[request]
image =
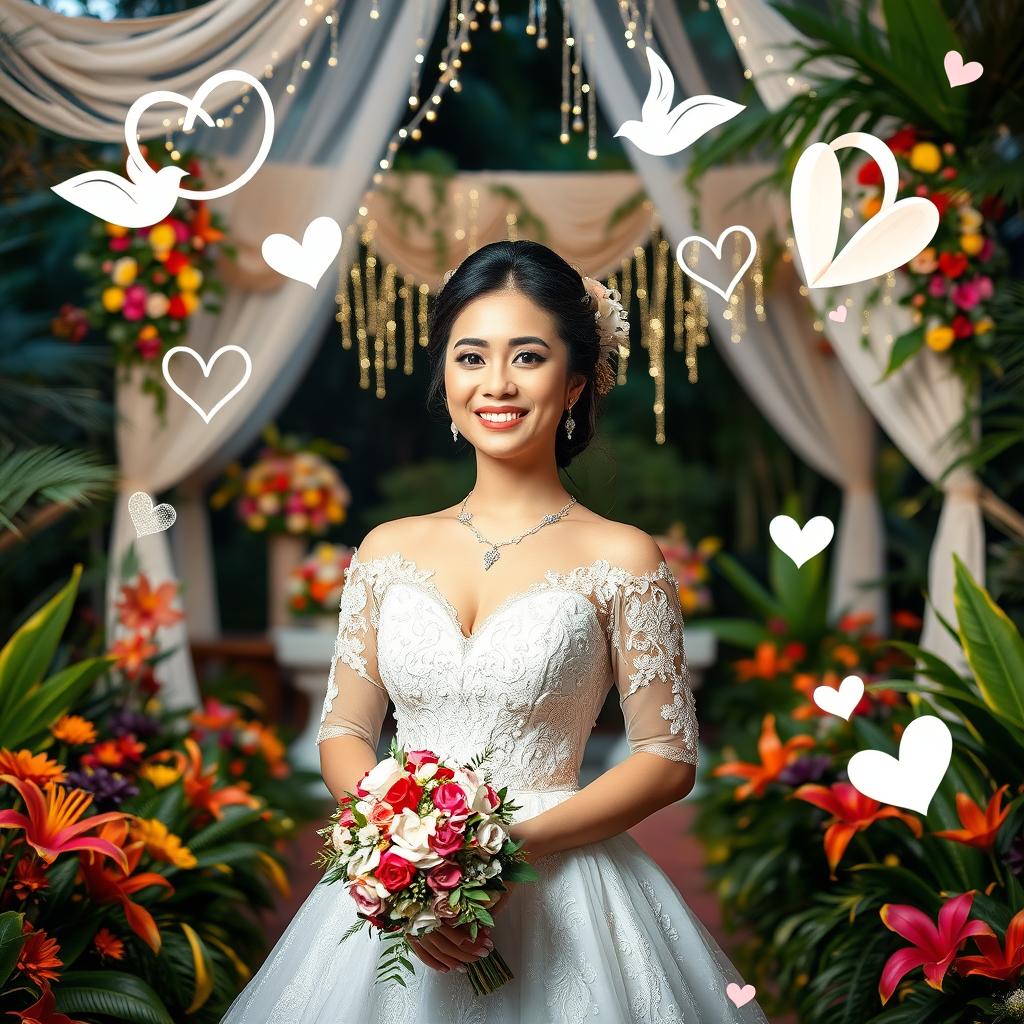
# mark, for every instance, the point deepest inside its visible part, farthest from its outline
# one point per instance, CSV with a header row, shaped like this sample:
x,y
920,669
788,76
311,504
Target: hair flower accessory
x,y
612,329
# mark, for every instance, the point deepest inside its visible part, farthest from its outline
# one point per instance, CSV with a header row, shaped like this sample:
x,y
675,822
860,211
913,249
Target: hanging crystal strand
x,y
649,23
695,316
408,332
370,276
657,339
512,223
627,286
735,312
865,324
563,134
361,338
578,124
422,318
759,288
677,307
613,284
642,294
542,25
332,60
531,18
388,315
474,220
344,314
495,13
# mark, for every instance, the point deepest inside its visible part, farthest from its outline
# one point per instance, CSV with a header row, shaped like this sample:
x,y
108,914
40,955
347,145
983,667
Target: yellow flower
x,y
311,498
972,244
116,230
125,271
984,325
190,279
939,338
256,522
162,237
925,157
112,299
709,546
161,844
870,206
160,775
970,218
191,301
325,552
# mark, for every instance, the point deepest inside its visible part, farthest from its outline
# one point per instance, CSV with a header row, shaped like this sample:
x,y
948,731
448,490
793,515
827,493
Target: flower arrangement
x,y
291,488
887,913
690,564
146,283
115,829
952,279
315,584
421,844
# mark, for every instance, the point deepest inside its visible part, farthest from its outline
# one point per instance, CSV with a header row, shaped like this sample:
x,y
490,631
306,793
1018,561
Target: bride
x,y
504,621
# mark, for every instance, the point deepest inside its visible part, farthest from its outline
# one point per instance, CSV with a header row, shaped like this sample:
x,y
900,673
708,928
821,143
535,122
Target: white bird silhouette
x,y
663,131
146,199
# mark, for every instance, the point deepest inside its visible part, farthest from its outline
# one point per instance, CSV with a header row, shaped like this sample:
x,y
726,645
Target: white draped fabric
x,y
802,392
920,404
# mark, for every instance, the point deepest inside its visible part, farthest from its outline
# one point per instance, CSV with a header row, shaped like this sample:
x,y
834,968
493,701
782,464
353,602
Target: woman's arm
x,y
613,803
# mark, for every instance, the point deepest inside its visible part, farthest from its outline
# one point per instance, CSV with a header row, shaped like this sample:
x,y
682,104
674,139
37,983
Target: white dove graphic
x,y
663,131
146,199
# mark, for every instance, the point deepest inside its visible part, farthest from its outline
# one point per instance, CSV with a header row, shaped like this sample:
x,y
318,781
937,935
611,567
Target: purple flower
x,y
109,789
124,721
804,770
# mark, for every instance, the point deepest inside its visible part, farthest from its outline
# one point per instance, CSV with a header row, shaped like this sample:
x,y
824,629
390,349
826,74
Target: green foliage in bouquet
x,y
838,921
130,837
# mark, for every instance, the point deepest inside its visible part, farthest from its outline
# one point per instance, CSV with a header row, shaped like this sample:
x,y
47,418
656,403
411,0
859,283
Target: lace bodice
x,y
530,681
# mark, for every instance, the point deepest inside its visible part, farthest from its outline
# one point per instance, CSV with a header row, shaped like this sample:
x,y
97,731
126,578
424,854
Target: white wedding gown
x,y
603,935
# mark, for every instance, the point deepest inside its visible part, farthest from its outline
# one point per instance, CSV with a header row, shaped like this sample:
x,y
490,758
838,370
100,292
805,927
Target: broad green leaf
x,y
11,941
905,346
747,585
110,994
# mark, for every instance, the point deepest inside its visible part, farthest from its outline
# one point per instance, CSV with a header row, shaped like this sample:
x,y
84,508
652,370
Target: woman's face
x,y
503,351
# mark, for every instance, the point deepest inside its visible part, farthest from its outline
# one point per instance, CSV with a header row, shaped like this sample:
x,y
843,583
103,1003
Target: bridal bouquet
x,y
421,844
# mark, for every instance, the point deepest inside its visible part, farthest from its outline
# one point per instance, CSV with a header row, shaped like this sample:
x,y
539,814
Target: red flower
x,y
177,308
994,962
44,1010
903,619
952,264
143,608
852,812
979,828
962,326
405,792
933,947
175,261
394,872
903,141
869,174
941,201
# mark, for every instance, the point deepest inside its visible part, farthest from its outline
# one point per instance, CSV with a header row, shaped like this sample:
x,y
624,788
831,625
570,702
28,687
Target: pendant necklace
x,y
491,555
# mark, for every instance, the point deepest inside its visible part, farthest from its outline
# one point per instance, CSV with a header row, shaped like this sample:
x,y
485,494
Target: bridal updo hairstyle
x,y
550,282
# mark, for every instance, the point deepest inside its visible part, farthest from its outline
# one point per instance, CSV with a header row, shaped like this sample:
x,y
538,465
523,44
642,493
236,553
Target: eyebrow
x,y
481,343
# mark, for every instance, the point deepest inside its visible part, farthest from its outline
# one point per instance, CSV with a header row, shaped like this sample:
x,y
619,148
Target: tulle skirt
x,y
603,934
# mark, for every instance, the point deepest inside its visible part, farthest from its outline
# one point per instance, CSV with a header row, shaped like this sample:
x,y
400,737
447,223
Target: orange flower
x,y
846,655
202,227
852,812
980,828
74,730
853,621
143,609
108,944
774,755
1001,964
131,652
115,753
766,663
906,620
37,768
38,956
52,826
29,878
44,1010
105,885
199,789
214,715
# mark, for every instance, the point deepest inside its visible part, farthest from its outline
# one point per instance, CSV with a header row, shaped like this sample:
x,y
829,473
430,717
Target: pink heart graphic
x,y
958,72
740,996
838,314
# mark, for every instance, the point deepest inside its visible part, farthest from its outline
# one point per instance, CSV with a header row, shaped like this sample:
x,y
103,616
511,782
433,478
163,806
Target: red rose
x,y
444,774
394,872
446,840
903,141
175,261
869,174
941,201
962,327
952,264
405,792
176,310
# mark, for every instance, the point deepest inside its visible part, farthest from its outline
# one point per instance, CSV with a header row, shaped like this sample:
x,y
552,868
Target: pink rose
x,y
984,286
119,244
416,758
367,900
937,286
446,840
133,311
444,877
965,295
381,815
449,796
442,909
394,872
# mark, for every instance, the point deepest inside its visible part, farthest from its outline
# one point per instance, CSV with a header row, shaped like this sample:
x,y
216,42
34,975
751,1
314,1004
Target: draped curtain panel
x,y
920,404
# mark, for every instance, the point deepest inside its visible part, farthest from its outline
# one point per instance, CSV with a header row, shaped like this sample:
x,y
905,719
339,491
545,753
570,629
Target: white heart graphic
x,y
148,518
840,702
801,544
958,72
306,261
206,368
910,781
838,314
894,236
717,250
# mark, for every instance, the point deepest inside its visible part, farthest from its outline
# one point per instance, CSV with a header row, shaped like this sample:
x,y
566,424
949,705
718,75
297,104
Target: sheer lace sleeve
x,y
356,701
649,664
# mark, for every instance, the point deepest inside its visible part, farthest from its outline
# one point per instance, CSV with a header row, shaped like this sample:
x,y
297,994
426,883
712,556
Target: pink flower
x,y
449,796
133,311
420,757
442,908
937,286
984,286
181,231
966,295
149,348
119,244
446,839
445,877
367,900
987,248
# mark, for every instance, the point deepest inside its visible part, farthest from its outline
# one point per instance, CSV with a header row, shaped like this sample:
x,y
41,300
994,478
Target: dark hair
x,y
543,276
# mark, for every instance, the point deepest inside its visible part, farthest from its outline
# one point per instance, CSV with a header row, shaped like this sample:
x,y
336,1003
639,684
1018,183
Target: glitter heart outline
x,y
206,368
193,108
149,512
717,250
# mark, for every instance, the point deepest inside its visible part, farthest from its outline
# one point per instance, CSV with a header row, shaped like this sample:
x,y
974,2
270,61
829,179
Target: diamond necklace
x,y
491,555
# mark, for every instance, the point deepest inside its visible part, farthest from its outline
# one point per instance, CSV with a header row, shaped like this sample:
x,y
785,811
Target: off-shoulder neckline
x,y
552,578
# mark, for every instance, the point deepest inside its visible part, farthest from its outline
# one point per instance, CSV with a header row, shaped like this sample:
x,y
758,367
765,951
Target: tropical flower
x,y
73,730
52,825
144,609
199,784
933,946
37,768
131,652
108,944
767,663
775,756
43,1010
980,828
995,961
162,844
38,956
852,812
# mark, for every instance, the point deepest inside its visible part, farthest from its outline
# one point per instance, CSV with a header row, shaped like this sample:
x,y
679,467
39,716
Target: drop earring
x,y
455,432
570,423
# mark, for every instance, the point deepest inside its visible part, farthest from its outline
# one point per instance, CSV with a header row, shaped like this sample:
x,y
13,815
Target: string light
x,y
734,26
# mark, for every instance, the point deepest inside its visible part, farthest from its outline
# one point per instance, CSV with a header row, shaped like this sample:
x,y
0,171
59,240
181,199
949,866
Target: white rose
x,y
341,837
426,771
471,784
490,837
367,834
425,921
383,776
410,838
363,862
